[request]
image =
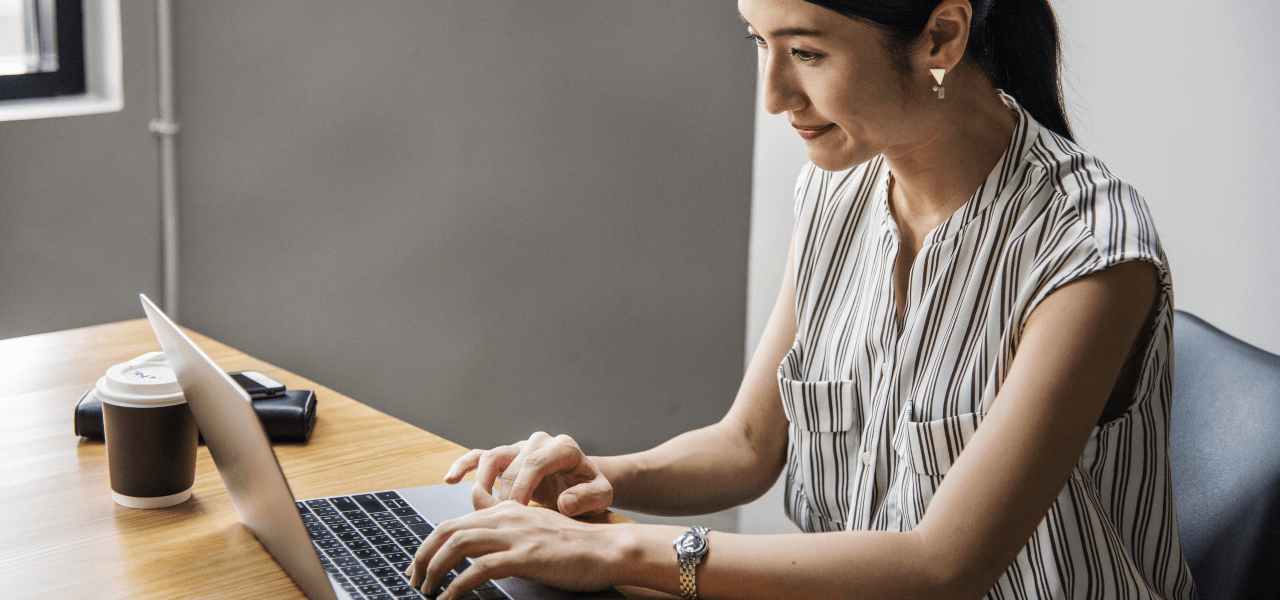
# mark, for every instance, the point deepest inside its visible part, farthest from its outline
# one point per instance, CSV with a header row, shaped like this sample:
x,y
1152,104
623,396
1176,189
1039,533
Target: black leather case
x,y
289,417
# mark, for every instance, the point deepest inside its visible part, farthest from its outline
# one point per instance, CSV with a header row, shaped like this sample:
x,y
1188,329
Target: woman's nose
x,y
782,92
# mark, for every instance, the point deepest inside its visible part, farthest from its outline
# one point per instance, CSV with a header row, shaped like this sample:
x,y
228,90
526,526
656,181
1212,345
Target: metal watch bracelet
x,y
690,548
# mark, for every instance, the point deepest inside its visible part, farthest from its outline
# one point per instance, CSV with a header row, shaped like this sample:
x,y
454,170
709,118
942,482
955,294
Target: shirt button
x,y
866,458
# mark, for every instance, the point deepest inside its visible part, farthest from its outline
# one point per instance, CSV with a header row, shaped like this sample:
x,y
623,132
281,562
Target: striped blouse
x,y
877,414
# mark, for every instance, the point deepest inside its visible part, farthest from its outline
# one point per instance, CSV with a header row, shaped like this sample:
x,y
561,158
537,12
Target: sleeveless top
x,y
878,414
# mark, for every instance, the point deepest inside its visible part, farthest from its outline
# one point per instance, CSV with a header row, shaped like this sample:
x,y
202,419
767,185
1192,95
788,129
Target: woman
x,y
967,373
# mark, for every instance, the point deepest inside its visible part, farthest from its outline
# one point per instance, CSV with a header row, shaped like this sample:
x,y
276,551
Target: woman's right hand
x,y
551,471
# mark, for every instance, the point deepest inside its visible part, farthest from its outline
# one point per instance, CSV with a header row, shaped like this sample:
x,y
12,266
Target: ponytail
x,y
1016,44
1013,42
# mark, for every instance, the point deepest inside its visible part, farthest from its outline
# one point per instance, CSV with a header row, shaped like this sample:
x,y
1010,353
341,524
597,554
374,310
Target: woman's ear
x,y
946,35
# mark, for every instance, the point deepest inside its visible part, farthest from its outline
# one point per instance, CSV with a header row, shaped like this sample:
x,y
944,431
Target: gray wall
x,y
483,217
1179,98
486,218
79,227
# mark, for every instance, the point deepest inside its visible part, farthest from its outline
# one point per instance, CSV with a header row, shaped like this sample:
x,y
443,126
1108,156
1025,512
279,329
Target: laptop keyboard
x,y
367,541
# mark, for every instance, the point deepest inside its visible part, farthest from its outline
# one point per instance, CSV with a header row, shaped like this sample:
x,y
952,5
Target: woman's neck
x,y
936,172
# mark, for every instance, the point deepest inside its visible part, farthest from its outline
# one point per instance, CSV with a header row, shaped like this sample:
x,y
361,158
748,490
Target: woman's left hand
x,y
508,539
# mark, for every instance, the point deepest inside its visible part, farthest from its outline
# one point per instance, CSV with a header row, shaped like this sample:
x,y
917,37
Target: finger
x,y
440,536
492,462
538,465
586,499
481,498
470,542
534,443
462,466
495,565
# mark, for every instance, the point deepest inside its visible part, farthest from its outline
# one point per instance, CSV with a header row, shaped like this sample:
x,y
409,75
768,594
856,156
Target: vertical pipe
x,y
166,128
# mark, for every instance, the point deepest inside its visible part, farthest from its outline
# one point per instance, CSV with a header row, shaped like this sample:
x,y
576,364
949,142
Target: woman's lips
x,y
810,132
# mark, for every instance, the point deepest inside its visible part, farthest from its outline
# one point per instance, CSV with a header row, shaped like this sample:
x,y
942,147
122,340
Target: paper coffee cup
x,y
150,433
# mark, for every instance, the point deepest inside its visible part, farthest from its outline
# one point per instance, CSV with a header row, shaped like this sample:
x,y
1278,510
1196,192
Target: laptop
x,y
353,547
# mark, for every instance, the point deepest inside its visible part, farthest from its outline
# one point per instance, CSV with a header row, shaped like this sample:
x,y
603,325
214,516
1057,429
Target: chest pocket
x,y
931,447
826,420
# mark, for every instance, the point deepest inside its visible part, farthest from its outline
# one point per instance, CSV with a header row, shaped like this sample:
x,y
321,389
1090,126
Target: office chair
x,y
1225,439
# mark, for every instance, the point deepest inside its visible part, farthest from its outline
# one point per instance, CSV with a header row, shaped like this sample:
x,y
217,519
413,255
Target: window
x,y
59,58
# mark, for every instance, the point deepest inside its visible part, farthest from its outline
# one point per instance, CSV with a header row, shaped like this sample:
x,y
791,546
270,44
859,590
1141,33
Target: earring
x,y
938,74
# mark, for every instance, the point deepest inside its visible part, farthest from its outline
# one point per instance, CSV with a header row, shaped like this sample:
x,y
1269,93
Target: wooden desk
x,y
61,536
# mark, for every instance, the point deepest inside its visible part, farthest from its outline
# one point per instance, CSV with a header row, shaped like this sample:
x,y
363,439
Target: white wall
x,y
1177,97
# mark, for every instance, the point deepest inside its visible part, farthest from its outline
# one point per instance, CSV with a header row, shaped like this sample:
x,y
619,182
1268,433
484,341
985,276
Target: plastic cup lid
x,y
146,380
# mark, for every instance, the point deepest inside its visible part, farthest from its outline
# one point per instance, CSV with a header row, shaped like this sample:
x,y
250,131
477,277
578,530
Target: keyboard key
x,y
317,502
411,520
422,529
332,520
326,544
364,554
398,557
302,508
374,562
359,545
401,566
382,515
401,590
346,561
368,532
409,544
368,502
343,503
349,587
364,522
354,573
341,528
396,532
461,566
354,514
332,569
379,597
339,551
372,589
387,495
404,512
339,577
387,548
349,536
363,580
393,580
381,572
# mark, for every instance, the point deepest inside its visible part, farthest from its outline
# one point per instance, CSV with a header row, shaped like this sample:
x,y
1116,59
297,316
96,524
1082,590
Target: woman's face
x,y
834,79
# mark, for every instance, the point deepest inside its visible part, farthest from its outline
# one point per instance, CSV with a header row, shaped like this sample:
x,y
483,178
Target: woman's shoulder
x,y
1110,210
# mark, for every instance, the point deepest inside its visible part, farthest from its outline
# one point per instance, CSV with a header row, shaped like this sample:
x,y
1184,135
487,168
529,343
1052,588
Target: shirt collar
x,y
1026,131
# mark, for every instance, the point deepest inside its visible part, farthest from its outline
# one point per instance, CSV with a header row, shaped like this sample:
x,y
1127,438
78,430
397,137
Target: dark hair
x,y
1013,42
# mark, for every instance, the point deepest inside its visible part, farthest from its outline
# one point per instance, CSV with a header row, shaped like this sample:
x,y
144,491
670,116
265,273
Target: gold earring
x,y
938,74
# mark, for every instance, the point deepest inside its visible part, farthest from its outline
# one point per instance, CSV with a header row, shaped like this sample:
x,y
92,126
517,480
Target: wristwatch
x,y
690,548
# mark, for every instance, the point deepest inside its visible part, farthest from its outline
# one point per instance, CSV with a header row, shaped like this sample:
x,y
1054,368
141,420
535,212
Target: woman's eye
x,y
755,39
804,56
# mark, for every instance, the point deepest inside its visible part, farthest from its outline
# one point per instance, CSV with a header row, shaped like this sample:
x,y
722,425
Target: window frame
x,y
89,79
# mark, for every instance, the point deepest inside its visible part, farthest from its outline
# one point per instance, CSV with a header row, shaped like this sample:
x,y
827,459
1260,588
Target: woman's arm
x,y
981,516
709,469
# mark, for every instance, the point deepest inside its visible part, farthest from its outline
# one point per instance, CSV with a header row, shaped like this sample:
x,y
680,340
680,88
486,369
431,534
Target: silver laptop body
x,y
261,495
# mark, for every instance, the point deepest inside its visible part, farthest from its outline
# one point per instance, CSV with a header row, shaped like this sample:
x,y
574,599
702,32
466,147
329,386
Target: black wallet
x,y
288,417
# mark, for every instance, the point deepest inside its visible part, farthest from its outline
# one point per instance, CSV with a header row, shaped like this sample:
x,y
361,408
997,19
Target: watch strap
x,y
689,568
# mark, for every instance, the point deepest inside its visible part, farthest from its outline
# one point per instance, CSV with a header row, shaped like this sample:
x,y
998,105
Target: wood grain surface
x,y
61,536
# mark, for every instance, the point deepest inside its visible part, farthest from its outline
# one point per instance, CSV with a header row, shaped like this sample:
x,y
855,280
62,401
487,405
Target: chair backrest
x,y
1225,444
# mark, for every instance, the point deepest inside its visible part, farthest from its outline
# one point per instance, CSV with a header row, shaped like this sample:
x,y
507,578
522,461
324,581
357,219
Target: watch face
x,y
692,544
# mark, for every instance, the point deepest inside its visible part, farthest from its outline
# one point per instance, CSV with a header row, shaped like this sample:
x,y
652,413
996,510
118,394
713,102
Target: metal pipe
x,y
166,128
